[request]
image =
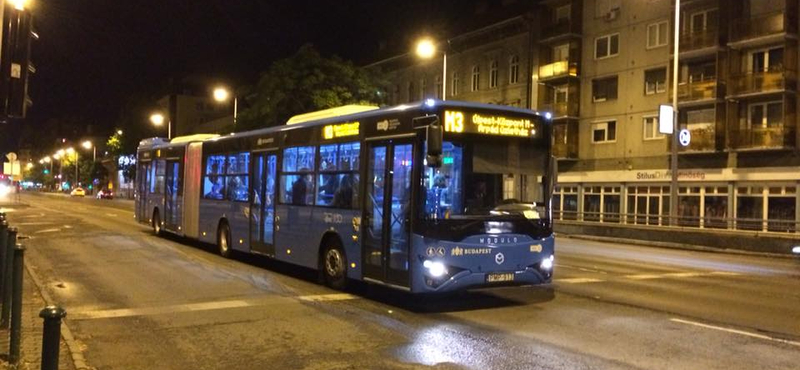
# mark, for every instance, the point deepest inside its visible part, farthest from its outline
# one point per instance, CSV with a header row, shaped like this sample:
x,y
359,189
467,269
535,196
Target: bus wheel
x,y
224,240
156,223
334,266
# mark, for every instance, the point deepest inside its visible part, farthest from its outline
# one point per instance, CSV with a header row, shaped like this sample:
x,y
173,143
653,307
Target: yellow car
x,y
78,192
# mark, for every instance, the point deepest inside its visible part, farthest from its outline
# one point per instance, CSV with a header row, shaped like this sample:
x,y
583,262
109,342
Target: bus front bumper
x,y
466,279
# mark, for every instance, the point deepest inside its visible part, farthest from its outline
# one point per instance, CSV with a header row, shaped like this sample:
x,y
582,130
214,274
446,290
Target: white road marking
x,y
327,297
679,275
46,231
31,223
111,214
643,276
578,280
581,269
203,306
735,331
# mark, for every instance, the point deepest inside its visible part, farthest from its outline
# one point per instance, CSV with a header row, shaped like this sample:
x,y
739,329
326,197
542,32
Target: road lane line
x,y
47,231
31,223
581,268
204,306
112,214
644,276
578,280
735,331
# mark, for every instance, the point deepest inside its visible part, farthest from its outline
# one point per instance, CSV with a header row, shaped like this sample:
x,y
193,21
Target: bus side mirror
x,y
434,139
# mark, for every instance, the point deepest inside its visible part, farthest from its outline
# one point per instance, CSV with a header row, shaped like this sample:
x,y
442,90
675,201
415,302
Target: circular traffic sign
x,y
684,137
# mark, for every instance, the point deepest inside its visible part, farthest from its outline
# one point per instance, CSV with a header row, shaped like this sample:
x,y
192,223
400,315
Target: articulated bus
x,y
427,197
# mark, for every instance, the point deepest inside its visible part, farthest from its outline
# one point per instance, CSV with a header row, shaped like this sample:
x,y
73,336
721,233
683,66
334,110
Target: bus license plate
x,y
500,277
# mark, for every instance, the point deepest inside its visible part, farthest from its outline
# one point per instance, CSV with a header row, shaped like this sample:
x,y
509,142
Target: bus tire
x,y
333,264
156,222
224,239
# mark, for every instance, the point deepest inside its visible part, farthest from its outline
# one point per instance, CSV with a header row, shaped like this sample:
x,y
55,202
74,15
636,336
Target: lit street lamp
x,y
72,150
221,95
426,49
157,119
88,145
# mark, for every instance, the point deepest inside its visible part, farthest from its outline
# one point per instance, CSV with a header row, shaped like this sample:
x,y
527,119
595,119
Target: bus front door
x,y
388,211
262,204
143,175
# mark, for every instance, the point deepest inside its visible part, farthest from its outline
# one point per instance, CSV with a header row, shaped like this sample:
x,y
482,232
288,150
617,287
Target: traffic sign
x,y
685,137
665,117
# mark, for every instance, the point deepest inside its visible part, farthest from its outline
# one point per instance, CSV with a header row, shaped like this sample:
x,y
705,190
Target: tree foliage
x,y
307,82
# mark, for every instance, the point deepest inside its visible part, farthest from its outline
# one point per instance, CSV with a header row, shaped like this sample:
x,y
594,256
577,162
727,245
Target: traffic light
x,y
46,171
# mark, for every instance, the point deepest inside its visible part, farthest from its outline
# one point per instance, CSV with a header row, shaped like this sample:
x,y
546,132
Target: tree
x,y
307,82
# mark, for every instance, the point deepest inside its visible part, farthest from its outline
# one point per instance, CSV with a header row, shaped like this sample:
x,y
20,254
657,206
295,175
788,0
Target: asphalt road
x,y
136,301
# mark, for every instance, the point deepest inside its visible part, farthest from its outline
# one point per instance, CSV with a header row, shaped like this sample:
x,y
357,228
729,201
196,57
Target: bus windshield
x,y
485,177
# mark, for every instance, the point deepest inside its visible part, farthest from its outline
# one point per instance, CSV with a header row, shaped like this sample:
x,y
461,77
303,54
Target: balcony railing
x,y
560,29
564,109
763,137
565,140
558,69
763,25
756,82
703,140
697,90
699,40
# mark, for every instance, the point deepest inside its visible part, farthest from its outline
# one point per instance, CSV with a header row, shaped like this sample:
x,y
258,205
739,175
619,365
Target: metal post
x,y
8,268
235,110
51,336
444,76
3,241
16,310
673,194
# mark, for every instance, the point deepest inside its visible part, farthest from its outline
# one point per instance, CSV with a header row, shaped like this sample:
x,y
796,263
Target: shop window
x,y
611,204
567,199
716,207
749,208
781,208
648,205
591,203
689,206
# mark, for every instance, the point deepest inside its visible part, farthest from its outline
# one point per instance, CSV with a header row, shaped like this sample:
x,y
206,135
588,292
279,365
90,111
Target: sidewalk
x,y
31,348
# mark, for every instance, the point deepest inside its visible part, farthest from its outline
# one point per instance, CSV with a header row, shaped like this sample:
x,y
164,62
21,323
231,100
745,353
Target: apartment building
x,y
603,67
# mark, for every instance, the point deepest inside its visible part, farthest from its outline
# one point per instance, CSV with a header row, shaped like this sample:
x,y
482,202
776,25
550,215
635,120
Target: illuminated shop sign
x,y
455,121
340,130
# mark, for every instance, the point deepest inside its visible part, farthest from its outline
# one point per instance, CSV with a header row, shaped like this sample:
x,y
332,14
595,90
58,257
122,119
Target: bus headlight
x,y
547,263
435,269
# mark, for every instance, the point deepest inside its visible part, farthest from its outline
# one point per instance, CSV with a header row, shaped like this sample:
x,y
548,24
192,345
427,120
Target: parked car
x,y
78,192
105,194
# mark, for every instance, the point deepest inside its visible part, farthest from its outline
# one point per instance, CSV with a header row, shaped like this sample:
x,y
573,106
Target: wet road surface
x,y
136,301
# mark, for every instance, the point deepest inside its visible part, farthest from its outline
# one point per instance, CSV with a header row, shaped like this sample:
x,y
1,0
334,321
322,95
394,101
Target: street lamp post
x,y
221,94
426,49
673,195
71,150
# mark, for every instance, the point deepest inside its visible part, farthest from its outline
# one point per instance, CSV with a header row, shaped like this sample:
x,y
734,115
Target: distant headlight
x,y
3,190
547,263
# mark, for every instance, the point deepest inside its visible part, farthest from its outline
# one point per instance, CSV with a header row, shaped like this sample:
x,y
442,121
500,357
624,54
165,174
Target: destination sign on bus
x,y
456,121
340,130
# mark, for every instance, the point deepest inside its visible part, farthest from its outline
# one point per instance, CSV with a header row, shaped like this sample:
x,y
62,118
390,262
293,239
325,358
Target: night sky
x,y
94,54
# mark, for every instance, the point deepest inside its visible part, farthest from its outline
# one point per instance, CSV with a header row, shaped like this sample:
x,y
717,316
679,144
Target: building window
x,y
439,90
606,46
604,132
651,128
766,115
563,14
476,78
513,70
655,81
648,205
604,89
454,89
560,53
766,60
657,34
716,207
565,203
423,85
702,21
493,74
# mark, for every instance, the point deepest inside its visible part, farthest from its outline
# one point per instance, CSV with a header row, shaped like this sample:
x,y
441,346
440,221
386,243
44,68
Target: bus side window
x,y
214,178
297,178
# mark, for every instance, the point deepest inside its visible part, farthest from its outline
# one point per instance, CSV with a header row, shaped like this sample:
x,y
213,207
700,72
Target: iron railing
x,y
659,220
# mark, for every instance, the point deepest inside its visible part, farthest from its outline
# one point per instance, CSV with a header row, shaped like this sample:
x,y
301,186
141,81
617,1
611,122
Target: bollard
x,y
16,303
8,269
3,240
51,337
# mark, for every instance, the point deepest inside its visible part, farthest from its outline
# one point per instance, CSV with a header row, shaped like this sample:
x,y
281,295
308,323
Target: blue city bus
x,y
427,197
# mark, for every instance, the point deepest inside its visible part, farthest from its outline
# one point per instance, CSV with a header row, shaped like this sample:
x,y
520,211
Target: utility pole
x,y
673,194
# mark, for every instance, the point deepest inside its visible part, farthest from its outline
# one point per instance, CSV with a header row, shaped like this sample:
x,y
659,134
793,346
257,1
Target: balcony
x,y
763,82
699,40
558,69
763,137
697,90
565,140
562,28
770,24
563,109
703,140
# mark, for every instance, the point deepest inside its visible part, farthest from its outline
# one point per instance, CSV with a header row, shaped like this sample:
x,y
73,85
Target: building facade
x,y
603,67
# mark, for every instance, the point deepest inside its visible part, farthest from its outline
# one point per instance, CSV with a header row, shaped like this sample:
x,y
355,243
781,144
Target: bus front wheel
x,y
334,265
224,240
156,223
